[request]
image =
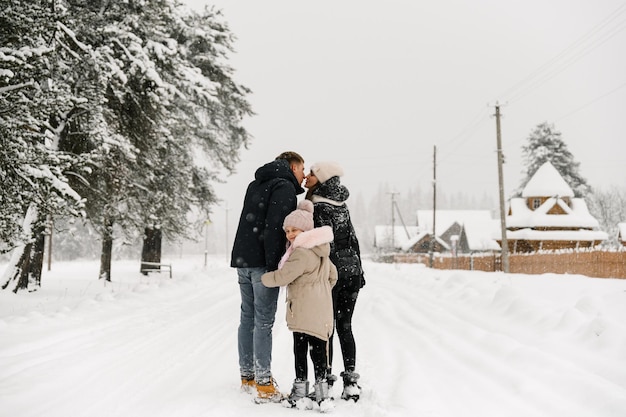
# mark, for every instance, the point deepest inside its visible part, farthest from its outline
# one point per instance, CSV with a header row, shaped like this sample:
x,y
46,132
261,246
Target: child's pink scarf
x,y
285,256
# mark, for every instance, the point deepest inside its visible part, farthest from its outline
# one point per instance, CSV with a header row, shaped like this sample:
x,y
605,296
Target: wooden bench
x,y
161,268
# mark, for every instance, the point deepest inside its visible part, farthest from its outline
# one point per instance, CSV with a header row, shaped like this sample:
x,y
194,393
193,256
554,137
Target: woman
x,y
329,196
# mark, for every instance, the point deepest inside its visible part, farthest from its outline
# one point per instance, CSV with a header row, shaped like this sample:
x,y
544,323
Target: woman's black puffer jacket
x,y
331,210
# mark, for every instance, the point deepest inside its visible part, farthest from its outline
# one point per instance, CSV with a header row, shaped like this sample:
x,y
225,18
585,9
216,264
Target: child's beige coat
x,y
309,276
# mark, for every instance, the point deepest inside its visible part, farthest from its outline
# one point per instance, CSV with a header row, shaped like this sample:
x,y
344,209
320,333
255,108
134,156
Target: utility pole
x,y
406,231
505,244
432,237
393,225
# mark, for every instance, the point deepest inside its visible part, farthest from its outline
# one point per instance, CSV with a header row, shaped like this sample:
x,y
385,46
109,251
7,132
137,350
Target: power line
x,y
607,28
466,132
563,67
592,102
470,128
574,52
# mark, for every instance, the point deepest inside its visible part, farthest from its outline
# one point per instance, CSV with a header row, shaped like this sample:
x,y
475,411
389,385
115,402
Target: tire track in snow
x,y
167,342
425,347
533,373
456,353
190,346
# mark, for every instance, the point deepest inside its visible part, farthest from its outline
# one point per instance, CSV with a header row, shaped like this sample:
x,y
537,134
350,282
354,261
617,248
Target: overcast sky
x,y
376,85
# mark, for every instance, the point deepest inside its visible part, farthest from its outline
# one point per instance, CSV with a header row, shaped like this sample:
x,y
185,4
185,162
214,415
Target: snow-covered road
x,y
430,343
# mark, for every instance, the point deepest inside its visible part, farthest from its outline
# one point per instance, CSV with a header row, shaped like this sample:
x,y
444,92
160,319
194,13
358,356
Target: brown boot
x,y
268,392
247,385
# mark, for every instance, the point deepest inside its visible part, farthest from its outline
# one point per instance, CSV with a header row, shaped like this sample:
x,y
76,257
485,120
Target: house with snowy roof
x,y
421,243
462,231
406,239
548,216
458,231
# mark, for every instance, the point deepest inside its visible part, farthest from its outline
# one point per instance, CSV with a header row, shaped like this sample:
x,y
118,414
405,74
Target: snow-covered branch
x,y
72,36
9,88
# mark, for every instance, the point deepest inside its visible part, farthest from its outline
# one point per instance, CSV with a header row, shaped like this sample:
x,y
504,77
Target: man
x,y
259,244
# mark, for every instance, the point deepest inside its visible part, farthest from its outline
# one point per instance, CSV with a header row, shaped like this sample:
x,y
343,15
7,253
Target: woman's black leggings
x,y
318,347
345,293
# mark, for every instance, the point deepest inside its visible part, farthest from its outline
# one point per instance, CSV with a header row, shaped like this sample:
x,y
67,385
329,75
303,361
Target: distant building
x,y
458,231
463,231
422,244
547,216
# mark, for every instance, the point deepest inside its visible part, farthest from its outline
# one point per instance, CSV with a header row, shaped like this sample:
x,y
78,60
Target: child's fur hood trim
x,y
314,237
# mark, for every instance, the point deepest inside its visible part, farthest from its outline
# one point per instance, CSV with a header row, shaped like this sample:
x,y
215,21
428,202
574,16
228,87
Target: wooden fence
x,y
598,264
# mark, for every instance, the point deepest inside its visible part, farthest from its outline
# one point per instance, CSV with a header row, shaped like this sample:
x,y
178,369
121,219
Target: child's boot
x,y
322,396
330,378
351,389
299,390
321,390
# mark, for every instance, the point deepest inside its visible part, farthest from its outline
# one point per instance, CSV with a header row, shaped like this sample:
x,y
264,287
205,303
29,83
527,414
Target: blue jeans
x,y
258,311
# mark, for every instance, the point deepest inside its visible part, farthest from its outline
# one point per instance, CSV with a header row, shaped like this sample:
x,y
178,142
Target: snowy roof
x,y
383,236
482,234
480,227
421,235
576,215
446,218
547,182
555,235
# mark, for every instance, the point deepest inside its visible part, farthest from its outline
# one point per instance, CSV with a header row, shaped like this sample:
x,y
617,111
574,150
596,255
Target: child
x,y
309,275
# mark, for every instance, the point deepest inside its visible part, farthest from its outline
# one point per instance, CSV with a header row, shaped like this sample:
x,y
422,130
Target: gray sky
x,y
375,85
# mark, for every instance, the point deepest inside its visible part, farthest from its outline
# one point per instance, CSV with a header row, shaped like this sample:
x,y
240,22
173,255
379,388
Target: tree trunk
x,y
18,272
36,259
151,250
18,269
107,251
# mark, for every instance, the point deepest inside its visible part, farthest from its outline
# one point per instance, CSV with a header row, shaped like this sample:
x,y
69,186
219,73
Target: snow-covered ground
x,y
430,343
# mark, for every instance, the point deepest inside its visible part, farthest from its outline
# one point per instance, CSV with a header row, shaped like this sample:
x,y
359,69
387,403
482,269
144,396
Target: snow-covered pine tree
x,y
34,109
545,144
150,86
189,51
169,93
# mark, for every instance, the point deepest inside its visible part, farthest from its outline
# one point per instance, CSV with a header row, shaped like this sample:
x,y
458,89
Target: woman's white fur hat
x,y
326,170
301,218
